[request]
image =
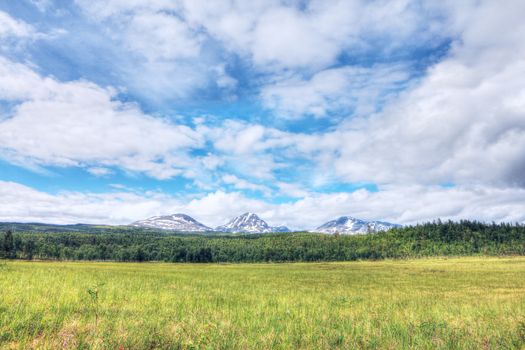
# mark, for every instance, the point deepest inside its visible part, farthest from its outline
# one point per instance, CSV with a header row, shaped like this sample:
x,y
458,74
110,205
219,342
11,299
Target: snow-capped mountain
x,y
350,225
280,229
249,223
174,222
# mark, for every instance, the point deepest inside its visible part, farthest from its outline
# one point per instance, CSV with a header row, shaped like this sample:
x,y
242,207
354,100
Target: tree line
x,y
430,239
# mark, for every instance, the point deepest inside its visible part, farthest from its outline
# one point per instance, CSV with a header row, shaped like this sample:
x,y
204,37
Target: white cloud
x,y
22,203
242,184
42,5
158,55
240,138
81,124
100,171
408,204
102,10
404,204
219,207
291,190
288,37
11,27
297,34
224,80
464,123
356,90
274,34
211,161
247,149
159,36
184,44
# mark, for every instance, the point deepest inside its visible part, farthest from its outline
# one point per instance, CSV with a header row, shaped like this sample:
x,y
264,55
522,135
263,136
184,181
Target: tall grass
x,y
470,303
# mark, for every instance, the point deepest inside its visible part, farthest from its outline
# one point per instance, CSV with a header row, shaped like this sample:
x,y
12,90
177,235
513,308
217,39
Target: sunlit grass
x,y
467,303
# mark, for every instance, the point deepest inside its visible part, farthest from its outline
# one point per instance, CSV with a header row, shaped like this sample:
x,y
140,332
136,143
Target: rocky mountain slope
x,y
350,225
249,223
174,222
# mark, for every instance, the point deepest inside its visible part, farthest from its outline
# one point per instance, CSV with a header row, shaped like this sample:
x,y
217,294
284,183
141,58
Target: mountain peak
x,y
351,225
249,223
174,222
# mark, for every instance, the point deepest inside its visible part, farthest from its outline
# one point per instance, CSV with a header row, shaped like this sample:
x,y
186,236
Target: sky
x,y
301,111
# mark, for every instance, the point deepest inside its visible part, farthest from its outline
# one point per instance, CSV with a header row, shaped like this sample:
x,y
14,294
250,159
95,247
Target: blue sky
x,y
301,111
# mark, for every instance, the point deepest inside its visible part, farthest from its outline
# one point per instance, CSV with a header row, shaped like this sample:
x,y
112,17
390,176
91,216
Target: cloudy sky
x,y
301,111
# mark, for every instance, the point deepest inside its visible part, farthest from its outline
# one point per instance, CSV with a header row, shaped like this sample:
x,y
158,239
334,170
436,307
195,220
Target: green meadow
x,y
456,303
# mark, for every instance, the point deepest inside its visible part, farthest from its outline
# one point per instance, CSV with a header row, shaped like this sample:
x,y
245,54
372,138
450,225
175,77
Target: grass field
x,y
471,303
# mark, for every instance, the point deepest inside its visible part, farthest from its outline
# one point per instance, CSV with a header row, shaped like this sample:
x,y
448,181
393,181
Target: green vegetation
x,y
467,303
131,244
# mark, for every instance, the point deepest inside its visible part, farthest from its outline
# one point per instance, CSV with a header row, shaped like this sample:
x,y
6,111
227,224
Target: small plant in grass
x,y
94,294
521,331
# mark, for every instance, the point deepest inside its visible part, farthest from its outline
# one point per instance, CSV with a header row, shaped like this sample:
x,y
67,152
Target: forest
x,y
130,244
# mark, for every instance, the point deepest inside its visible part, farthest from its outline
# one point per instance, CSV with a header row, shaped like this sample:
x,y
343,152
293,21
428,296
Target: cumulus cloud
x,y
464,123
274,35
99,171
291,189
248,149
159,36
345,90
24,204
11,27
297,34
157,55
242,184
404,204
81,124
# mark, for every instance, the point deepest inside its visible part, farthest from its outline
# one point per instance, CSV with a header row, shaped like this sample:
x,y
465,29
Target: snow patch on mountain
x,y
350,225
174,222
249,223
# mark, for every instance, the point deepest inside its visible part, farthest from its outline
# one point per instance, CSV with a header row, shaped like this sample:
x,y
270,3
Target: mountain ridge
x,y
173,222
249,223
252,223
351,225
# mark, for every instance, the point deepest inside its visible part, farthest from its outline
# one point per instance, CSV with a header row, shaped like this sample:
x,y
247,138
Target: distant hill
x,y
39,227
351,225
184,224
174,222
249,223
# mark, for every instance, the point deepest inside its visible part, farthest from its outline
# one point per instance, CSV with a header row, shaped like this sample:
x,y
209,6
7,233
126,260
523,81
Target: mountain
x,y
175,222
249,223
350,225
